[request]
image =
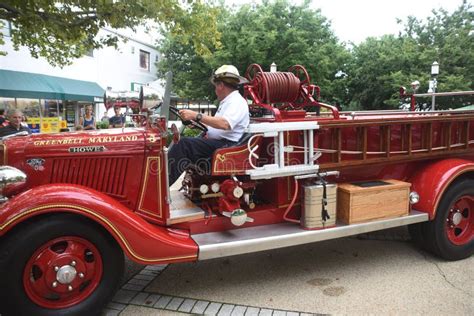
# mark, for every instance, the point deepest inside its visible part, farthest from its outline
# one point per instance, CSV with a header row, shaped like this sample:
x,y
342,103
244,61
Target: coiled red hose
x,y
277,87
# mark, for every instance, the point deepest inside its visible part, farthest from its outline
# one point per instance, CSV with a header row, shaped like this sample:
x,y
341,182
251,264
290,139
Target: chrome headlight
x,y
10,178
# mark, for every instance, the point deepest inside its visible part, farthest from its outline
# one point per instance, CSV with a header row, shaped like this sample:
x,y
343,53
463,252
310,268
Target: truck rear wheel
x,y
62,265
451,234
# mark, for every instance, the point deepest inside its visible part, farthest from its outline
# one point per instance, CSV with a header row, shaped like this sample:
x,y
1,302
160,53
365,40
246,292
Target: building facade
x,y
126,68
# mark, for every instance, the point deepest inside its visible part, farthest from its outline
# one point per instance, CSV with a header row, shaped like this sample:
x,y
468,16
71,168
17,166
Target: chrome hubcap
x,y
457,217
66,274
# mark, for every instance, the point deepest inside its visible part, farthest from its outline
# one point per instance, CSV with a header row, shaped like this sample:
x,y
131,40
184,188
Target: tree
x,y
63,30
380,66
271,32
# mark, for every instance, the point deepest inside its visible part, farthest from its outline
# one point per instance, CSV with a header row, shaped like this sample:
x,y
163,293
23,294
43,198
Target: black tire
x,y
18,249
437,232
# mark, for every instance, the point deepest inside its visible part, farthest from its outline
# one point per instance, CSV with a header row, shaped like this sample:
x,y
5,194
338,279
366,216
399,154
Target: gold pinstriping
x,y
102,218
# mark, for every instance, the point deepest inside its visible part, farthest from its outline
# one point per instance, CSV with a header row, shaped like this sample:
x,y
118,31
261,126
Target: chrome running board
x,y
260,238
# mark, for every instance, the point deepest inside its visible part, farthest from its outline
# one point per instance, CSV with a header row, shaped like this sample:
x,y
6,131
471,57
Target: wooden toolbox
x,y
370,200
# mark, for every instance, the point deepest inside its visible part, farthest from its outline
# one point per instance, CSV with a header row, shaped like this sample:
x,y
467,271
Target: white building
x,y
127,68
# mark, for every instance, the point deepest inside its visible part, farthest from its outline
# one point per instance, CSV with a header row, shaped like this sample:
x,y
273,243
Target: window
x,y
144,60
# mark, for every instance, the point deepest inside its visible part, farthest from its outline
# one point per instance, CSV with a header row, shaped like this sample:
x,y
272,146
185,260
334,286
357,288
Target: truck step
x,y
183,209
265,237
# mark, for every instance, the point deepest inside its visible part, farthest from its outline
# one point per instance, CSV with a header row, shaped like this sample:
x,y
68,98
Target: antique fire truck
x,y
72,204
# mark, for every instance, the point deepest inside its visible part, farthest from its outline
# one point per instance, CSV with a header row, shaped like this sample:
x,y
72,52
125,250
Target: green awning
x,y
16,84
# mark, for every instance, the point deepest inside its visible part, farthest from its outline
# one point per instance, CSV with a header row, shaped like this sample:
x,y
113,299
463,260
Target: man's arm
x,y
213,121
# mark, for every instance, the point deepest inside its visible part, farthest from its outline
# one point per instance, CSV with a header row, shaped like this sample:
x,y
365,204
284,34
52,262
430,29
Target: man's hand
x,y
188,115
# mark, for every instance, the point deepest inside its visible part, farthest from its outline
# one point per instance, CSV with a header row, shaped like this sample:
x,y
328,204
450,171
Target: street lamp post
x,y
273,67
434,83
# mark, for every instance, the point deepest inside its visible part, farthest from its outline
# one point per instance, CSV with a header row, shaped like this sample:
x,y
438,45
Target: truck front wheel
x,y
451,234
62,265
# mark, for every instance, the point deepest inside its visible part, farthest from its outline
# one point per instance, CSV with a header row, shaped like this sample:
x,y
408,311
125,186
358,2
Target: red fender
x,y
431,181
141,241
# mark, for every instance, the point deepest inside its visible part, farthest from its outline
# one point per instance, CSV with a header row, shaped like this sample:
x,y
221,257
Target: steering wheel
x,y
195,124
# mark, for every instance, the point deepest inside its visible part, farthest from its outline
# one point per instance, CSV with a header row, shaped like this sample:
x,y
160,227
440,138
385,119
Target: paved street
x,y
375,273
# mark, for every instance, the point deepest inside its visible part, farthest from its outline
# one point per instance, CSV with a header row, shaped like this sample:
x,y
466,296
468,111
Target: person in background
x,y
88,120
14,125
118,120
105,118
2,117
24,121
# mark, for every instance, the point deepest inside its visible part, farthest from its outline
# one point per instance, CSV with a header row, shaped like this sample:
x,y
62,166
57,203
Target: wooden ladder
x,y
380,140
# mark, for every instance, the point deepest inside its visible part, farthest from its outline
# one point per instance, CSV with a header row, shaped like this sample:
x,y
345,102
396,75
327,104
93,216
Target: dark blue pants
x,y
191,151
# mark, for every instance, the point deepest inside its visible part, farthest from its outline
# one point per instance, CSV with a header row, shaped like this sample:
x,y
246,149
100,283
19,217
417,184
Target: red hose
x,y
277,87
291,205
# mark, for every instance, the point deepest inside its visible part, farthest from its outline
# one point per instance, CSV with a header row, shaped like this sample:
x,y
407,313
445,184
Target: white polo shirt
x,y
235,110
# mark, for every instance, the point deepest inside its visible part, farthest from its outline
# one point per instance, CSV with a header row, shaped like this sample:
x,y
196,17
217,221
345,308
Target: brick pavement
x,y
133,293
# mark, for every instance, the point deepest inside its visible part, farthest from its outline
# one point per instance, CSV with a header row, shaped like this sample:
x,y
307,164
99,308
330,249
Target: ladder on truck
x,y
395,137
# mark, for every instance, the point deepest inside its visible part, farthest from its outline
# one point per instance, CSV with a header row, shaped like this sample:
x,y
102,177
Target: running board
x,y
260,238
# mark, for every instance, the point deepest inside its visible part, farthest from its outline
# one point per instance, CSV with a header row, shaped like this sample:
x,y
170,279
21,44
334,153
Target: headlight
x,y
10,179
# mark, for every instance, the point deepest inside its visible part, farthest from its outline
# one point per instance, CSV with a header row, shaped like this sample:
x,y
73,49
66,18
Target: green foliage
x,y
367,76
272,32
380,66
191,132
63,30
102,125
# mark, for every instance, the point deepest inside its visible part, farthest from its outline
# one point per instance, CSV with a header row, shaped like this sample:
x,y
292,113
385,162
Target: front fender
x,y
141,241
430,182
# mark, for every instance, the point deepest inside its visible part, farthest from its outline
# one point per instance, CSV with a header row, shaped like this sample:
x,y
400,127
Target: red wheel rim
x,y
63,272
460,220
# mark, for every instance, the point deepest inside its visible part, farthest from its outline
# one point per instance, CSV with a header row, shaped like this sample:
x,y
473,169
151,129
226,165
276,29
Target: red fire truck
x,y
72,204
